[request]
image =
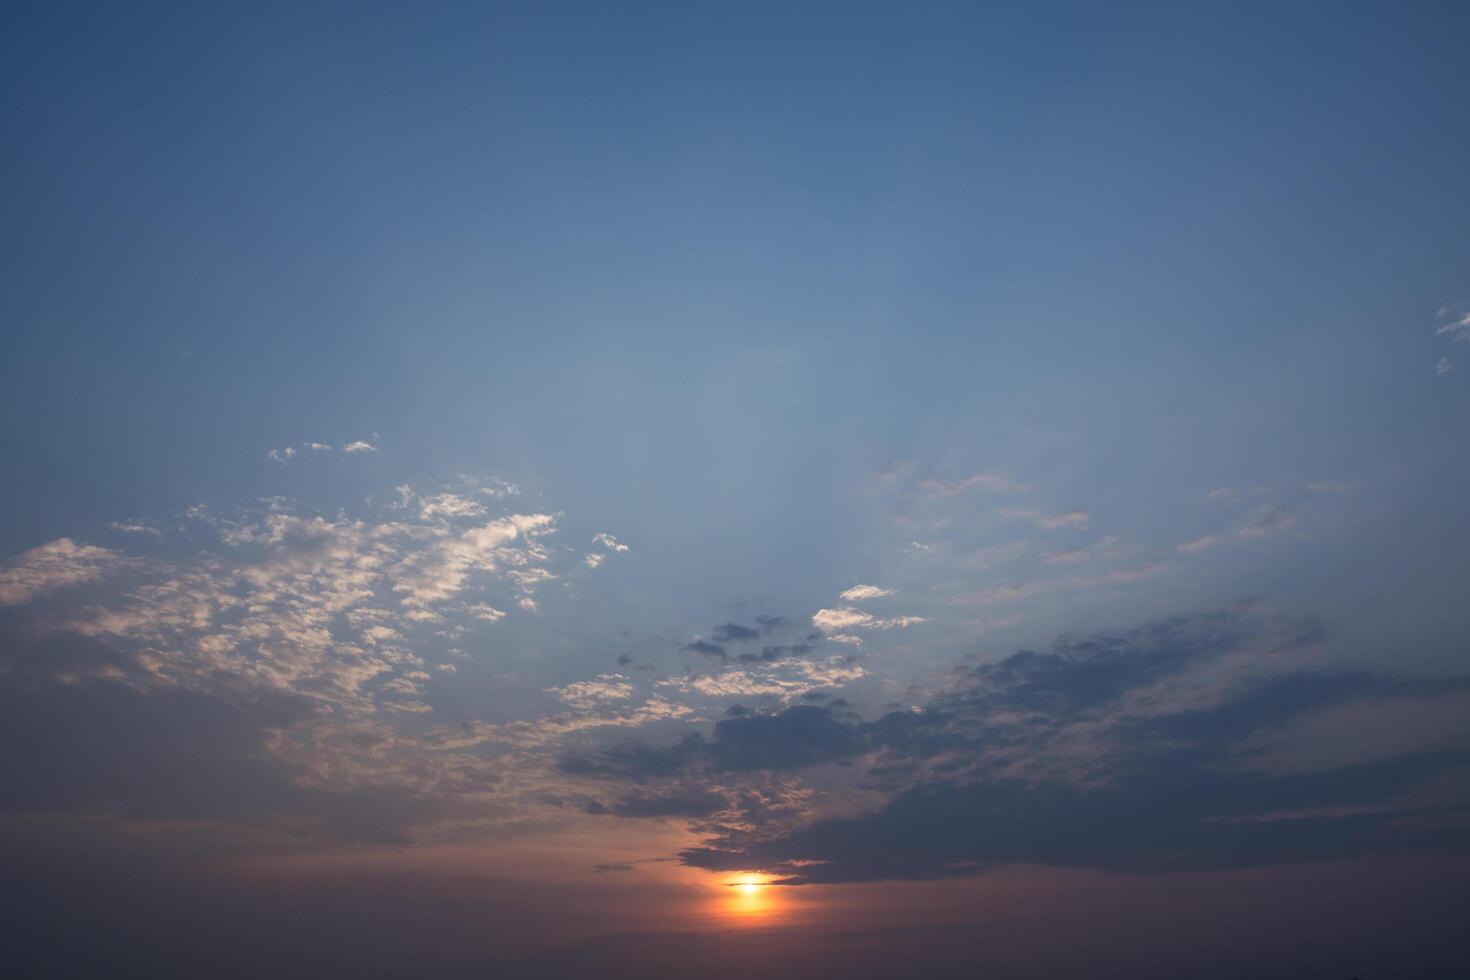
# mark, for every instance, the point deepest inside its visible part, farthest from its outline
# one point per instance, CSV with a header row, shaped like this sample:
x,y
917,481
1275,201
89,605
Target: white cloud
x,y
281,455
500,489
1199,544
440,568
1456,329
609,542
544,731
787,680
318,606
136,527
859,593
1444,366
593,559
359,447
482,611
449,505
54,566
848,618
840,619
591,694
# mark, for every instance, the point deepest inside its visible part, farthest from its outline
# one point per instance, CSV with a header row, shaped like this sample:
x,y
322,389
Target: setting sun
x,y
750,896
749,884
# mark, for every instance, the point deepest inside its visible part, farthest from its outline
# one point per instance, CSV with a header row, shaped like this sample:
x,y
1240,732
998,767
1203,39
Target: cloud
x,y
449,505
337,618
1072,518
1132,752
1457,328
484,612
830,620
1265,520
1047,522
359,447
606,541
861,593
594,693
1067,556
136,527
989,482
840,619
1444,366
704,647
1335,487
734,632
57,565
784,678
1262,521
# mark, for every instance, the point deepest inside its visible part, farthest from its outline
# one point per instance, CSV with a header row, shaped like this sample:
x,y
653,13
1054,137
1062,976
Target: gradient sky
x,y
750,489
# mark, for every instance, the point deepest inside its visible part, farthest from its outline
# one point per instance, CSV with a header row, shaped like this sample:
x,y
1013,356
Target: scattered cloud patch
x,y
861,593
50,567
609,542
594,693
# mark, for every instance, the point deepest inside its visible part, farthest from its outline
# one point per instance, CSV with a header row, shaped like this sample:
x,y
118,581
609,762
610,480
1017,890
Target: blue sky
x,y
378,372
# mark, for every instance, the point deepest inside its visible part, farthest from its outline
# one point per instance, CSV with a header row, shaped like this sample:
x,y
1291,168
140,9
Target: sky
x,y
817,489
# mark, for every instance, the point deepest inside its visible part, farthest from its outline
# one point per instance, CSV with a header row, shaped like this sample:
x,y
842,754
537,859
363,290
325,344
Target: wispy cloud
x,y
1199,544
988,482
1047,522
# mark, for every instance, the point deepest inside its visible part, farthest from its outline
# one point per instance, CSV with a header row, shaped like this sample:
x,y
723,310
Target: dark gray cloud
x,y
1139,751
681,801
704,647
102,748
778,651
734,632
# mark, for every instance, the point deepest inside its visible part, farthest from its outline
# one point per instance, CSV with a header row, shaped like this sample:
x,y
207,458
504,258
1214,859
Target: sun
x,y
749,896
748,884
